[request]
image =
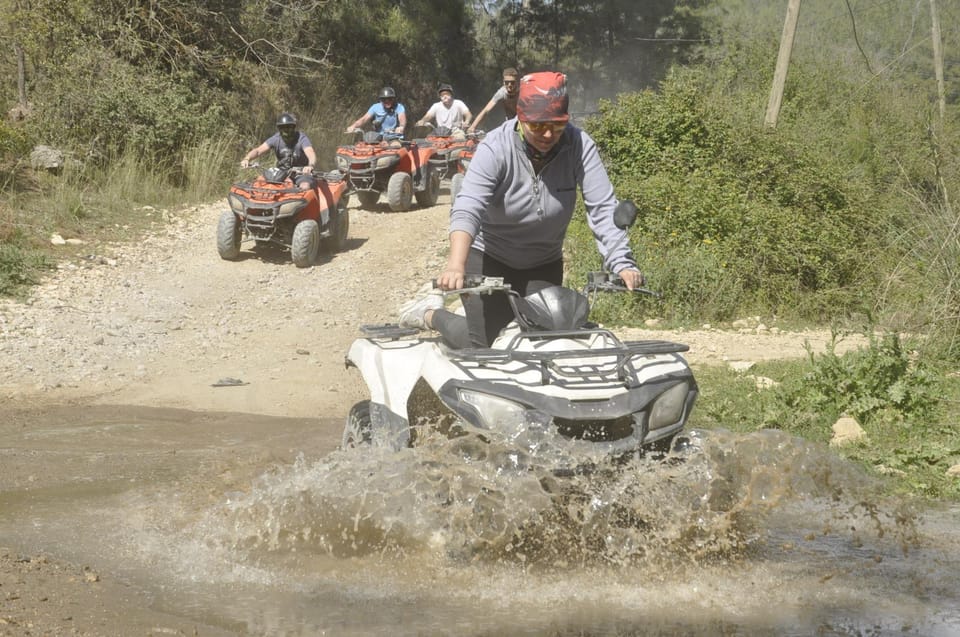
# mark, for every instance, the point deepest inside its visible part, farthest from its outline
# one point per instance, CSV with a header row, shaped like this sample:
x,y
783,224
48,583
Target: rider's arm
x,y
452,277
426,117
401,121
311,158
486,109
360,122
600,202
253,154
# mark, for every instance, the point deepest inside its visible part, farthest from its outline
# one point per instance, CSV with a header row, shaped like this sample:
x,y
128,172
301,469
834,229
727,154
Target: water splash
x,y
469,499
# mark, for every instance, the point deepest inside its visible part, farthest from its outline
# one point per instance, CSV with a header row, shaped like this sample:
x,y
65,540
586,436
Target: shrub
x,y
881,386
753,213
152,114
20,266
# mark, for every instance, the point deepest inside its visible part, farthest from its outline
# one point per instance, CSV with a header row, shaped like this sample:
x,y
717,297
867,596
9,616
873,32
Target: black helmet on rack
x,y
287,127
553,308
387,93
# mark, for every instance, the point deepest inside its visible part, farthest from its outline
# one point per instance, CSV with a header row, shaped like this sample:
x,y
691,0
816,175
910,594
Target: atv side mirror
x,y
625,215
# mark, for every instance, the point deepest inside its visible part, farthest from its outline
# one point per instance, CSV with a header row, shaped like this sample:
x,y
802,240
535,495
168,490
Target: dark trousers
x,y
487,314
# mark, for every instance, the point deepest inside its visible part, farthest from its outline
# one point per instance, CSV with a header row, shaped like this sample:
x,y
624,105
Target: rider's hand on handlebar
x,y
633,279
451,279
244,163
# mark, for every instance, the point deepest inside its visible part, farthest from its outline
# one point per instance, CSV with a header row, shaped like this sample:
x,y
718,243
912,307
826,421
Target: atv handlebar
x,y
479,284
596,282
610,282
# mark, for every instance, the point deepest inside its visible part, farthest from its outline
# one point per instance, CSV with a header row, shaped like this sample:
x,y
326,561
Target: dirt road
x,y
159,324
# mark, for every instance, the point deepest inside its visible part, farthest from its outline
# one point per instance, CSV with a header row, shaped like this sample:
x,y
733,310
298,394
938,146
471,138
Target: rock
x,y
46,158
762,382
653,322
740,366
845,431
57,240
954,471
889,471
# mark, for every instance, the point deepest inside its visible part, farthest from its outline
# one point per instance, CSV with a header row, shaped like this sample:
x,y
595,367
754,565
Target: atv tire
x,y
368,199
359,429
429,195
456,183
306,243
339,227
400,192
228,236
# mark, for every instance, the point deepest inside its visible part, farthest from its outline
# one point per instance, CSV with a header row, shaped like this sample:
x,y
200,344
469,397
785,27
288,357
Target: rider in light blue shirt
x,y
387,115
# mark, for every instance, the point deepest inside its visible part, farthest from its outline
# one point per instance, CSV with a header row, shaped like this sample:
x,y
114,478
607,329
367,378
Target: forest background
x,y
842,214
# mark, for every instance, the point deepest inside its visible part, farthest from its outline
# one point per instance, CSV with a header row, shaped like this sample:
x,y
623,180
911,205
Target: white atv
x,y
549,371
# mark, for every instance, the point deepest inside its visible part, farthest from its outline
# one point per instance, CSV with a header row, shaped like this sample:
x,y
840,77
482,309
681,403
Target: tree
x,y
605,46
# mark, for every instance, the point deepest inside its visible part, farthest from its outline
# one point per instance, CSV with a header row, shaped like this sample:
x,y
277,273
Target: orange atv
x,y
399,168
446,147
463,162
272,210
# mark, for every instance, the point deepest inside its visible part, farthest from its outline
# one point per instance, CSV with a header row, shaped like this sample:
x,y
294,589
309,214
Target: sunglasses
x,y
542,127
509,82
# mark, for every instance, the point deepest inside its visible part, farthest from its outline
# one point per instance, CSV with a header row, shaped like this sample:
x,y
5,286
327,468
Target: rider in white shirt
x,y
448,112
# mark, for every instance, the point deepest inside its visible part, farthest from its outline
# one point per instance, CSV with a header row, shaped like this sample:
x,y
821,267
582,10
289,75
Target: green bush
x,y
753,213
14,142
880,386
905,407
20,267
154,115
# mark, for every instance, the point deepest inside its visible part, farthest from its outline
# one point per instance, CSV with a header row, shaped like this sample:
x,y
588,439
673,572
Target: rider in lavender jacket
x,y
510,216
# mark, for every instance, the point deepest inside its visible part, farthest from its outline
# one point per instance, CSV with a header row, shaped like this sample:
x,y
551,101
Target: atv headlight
x,y
387,162
290,208
237,204
343,164
492,410
668,407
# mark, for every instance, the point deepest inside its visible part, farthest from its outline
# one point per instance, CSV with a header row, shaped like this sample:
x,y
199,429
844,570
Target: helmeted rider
x,y
449,113
387,115
290,142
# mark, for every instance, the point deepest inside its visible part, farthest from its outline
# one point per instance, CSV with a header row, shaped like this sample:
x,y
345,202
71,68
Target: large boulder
x,y
47,158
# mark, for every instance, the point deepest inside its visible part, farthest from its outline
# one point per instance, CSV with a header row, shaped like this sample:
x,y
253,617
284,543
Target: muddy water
x,y
259,526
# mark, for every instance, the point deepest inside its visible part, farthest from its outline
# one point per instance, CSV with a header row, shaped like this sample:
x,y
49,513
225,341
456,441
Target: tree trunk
x,y
21,77
783,62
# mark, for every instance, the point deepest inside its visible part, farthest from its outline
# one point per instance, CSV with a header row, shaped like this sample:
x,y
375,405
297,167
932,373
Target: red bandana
x,y
543,97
